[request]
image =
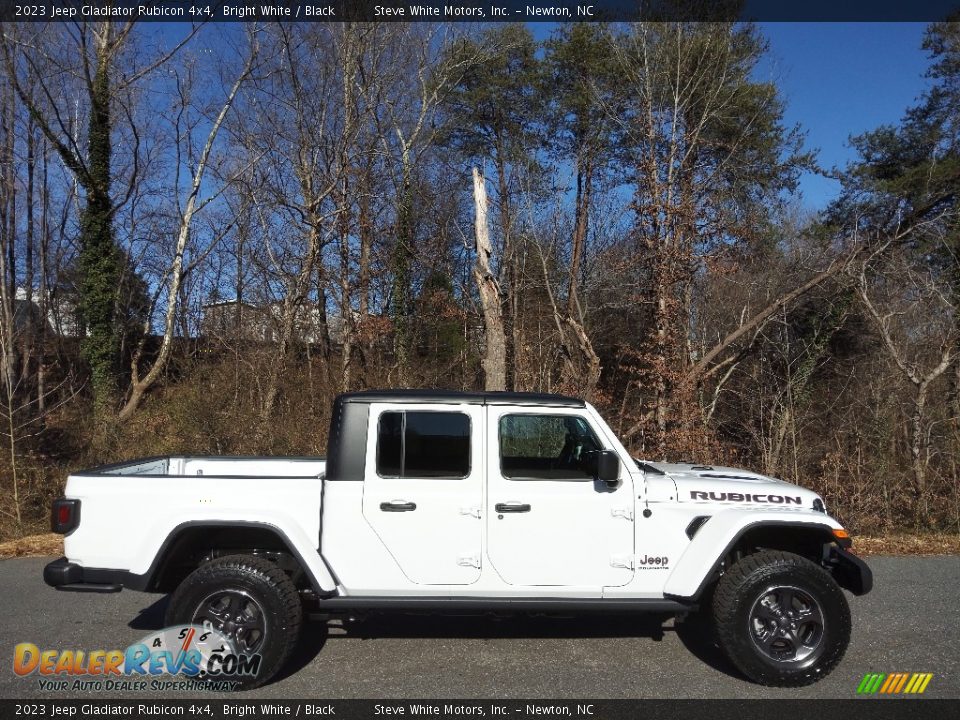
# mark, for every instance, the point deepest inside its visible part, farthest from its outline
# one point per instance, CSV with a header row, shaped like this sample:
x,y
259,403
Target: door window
x,y
547,447
423,445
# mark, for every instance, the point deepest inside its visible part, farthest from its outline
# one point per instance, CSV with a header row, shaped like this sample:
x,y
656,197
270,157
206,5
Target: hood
x,y
715,484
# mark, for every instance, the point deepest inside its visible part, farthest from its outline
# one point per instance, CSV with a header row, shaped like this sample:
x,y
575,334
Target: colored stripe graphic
x,y
891,679
919,683
894,683
867,685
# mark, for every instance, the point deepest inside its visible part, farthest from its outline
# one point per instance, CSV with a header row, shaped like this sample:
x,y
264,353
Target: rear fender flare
x,y
315,569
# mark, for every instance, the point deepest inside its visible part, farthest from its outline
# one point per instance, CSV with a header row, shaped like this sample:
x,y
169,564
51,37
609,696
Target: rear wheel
x,y
251,602
781,619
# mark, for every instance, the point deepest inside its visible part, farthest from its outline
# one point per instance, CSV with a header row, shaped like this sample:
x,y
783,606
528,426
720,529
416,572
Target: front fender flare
x,y
700,561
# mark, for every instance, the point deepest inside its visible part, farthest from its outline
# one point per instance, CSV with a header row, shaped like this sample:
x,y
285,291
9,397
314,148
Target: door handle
x,y
511,507
398,506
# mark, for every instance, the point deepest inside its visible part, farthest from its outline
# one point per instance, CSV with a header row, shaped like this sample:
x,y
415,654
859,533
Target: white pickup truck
x,y
435,501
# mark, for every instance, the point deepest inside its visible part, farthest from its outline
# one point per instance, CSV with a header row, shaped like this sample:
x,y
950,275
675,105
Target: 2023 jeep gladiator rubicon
x,y
434,501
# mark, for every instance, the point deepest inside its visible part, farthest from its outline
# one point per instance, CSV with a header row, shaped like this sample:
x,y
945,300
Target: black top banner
x,y
480,10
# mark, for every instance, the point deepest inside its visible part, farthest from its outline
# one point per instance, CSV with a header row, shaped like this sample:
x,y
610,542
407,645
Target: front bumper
x,y
65,575
850,572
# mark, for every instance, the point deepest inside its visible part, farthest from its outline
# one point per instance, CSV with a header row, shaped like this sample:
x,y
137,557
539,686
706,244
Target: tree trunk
x,y
661,349
365,230
703,367
494,360
581,366
401,261
919,444
8,228
26,358
292,302
346,301
44,291
580,226
508,274
99,261
351,63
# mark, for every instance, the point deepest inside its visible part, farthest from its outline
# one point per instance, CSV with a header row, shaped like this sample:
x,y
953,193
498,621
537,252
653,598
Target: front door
x,y
549,520
423,489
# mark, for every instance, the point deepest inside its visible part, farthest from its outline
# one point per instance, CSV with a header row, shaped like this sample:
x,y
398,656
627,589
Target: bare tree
x,y
89,57
926,310
495,355
8,235
423,72
141,383
301,142
579,370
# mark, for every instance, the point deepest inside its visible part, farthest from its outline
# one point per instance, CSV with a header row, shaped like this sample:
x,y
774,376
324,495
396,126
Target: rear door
x,y
549,520
423,489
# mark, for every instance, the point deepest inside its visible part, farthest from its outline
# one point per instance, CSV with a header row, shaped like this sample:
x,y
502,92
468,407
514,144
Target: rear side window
x,y
423,445
547,447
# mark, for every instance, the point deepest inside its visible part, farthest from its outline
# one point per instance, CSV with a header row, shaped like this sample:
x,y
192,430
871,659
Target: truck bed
x,y
145,502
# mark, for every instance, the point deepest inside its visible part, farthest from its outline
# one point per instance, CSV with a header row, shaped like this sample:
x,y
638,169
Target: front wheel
x,y
248,600
781,619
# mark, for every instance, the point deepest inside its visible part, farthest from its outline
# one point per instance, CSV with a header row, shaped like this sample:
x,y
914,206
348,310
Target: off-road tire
x,y
740,590
259,579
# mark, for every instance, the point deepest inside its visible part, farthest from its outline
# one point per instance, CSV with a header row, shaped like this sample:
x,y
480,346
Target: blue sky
x,y
840,79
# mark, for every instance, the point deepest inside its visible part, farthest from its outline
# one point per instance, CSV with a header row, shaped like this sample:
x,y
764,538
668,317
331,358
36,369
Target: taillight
x,y
65,516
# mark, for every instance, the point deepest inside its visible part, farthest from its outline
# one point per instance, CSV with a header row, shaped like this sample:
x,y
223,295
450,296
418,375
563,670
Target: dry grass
x,y
908,544
929,544
32,546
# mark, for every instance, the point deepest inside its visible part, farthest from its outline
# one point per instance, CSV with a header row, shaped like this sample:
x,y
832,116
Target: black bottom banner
x,y
460,709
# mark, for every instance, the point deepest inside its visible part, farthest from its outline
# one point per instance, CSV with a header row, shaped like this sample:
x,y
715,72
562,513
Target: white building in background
x,y
246,321
62,316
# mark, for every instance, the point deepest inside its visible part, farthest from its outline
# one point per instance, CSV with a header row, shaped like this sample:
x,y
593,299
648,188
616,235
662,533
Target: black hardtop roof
x,y
456,396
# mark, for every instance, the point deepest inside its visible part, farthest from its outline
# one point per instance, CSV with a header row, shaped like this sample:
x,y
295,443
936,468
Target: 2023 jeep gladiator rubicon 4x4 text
x,y
434,501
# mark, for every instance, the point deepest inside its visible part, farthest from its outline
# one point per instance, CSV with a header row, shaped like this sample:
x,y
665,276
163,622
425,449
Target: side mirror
x,y
608,467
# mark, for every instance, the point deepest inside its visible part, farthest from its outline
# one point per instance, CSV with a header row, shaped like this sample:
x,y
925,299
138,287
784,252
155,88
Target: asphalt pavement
x,y
909,623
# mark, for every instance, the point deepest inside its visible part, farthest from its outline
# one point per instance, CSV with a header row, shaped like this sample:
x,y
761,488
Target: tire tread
x,y
220,572
729,594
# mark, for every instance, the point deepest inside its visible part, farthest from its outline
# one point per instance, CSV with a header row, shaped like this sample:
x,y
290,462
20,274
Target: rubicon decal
x,y
746,497
894,683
